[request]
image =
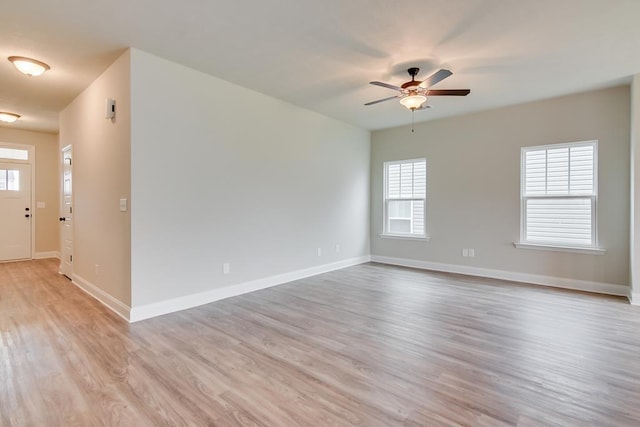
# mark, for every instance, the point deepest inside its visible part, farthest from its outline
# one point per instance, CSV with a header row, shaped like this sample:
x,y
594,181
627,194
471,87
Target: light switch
x,y
123,205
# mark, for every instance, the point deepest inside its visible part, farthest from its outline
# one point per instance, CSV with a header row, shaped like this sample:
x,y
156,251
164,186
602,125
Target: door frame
x,y
61,194
32,162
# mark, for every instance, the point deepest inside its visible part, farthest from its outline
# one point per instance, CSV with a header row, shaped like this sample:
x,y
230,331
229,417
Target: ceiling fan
x,y
414,93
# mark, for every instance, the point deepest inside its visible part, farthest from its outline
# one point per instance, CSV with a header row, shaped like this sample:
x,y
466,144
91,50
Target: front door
x,y
15,211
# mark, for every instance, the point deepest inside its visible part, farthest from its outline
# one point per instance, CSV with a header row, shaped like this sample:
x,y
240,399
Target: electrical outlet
x,y
225,268
337,248
465,252
319,251
97,269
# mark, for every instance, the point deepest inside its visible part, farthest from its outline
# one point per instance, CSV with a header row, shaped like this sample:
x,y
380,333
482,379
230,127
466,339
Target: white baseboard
x,y
147,311
634,297
107,300
535,279
44,255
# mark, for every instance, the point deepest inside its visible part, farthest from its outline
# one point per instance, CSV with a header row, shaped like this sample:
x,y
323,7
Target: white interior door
x,y
66,218
15,211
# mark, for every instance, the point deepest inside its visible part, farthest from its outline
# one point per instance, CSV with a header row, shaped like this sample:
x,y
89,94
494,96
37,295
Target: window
x,y
559,190
405,188
14,153
9,180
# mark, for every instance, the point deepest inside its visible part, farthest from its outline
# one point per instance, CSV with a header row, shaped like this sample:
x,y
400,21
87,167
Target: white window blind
x,y
405,197
559,192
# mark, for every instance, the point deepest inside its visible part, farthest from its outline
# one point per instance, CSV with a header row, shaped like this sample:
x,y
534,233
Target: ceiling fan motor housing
x,y
413,72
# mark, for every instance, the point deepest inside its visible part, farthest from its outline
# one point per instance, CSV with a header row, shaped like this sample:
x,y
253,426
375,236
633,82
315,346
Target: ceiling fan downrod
x,y
413,72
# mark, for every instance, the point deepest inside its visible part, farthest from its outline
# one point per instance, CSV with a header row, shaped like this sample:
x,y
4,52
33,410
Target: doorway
x,y
15,210
17,234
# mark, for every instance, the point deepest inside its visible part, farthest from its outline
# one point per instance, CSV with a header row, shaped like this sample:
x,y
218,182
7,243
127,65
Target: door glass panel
x,y
13,180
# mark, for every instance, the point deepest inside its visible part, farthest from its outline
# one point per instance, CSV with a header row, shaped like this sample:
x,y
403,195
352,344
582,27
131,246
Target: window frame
x,y
385,214
593,198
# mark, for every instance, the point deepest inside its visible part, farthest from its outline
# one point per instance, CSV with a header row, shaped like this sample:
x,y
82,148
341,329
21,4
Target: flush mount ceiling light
x,y
28,66
8,117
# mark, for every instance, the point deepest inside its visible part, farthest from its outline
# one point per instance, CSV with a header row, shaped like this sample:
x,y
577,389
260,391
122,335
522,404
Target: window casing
x,y
405,191
559,191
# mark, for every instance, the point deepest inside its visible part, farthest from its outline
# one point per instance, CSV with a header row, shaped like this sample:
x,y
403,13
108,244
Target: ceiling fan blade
x,y
434,78
381,100
387,85
448,92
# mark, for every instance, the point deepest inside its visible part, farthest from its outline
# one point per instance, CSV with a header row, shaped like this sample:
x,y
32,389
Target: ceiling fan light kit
x,y
8,117
413,94
413,101
29,66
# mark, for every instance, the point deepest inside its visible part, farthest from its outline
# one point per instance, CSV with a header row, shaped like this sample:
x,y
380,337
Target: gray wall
x,y
635,191
473,184
223,174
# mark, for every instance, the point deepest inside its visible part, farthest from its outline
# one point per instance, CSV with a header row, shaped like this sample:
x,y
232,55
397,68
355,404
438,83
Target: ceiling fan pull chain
x,y
413,113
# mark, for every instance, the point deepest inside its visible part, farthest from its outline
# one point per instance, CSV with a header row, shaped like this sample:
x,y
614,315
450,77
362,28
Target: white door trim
x,y
30,161
63,213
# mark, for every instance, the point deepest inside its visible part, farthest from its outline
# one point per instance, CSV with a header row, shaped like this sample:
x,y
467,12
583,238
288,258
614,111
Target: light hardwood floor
x,y
369,345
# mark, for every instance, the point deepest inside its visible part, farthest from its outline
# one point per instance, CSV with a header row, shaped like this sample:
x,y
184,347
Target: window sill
x,y
424,238
558,248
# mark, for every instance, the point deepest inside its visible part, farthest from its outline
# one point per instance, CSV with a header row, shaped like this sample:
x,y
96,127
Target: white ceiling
x,y
321,54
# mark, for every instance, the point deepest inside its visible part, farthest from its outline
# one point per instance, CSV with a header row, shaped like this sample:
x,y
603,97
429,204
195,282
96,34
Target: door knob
x,y
27,216
26,209
62,219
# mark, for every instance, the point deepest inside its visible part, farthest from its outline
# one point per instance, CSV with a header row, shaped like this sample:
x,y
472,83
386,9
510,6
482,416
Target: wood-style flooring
x,y
370,345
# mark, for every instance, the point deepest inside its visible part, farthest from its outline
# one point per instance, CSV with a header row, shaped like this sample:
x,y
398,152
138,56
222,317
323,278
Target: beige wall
x,y
473,181
101,177
46,175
